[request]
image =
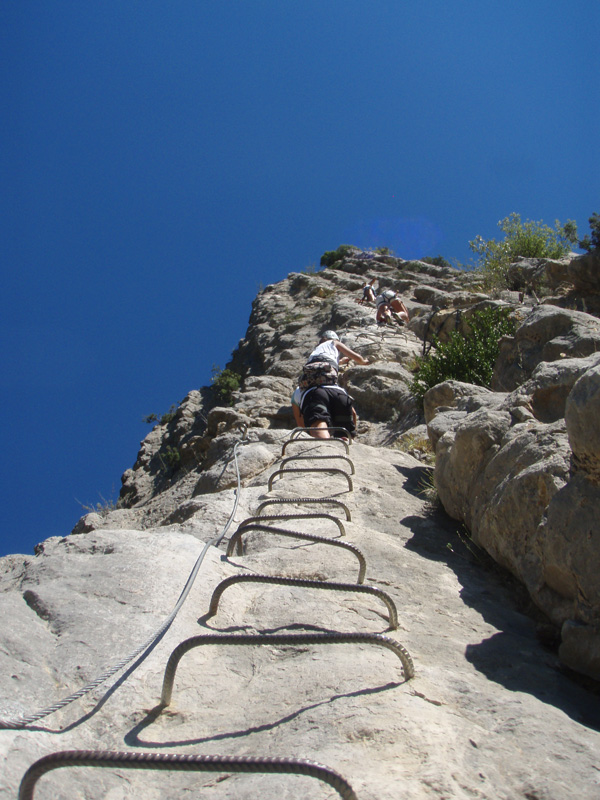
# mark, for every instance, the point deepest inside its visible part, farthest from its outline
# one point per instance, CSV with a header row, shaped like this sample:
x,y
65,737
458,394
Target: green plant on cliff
x,y
329,257
224,383
172,457
163,418
436,261
591,241
469,358
530,239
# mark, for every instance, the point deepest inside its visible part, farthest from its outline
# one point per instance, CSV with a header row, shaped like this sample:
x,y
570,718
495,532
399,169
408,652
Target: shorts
x,y
330,405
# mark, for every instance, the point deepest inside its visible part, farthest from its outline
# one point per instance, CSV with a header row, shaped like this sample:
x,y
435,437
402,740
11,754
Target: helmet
x,y
389,294
329,335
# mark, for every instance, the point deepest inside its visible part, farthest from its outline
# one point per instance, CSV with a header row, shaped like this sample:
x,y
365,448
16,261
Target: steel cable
x,y
27,719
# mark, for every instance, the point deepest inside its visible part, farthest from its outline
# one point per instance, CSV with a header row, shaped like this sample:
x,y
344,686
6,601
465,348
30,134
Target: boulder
x,y
449,394
546,392
462,454
547,334
582,417
584,272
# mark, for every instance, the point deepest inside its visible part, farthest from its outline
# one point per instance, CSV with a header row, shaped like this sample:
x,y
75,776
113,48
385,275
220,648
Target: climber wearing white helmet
x,y
389,306
322,402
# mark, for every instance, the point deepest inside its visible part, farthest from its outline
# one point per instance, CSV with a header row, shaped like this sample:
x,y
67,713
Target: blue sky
x,y
161,161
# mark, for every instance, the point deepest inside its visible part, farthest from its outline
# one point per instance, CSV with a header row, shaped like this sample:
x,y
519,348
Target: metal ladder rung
x,y
311,469
280,517
307,537
312,440
331,500
279,640
182,763
304,583
312,458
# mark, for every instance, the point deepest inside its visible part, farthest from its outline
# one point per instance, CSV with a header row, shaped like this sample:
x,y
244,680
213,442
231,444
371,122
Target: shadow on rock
x,y
514,657
417,479
503,660
133,737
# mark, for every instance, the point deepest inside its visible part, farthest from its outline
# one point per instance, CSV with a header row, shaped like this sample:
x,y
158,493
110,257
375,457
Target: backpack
x,y
318,373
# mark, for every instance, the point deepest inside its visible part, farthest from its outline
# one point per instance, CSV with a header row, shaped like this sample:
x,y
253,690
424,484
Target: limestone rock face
x,y
584,272
546,392
518,476
485,691
582,416
568,537
547,334
504,457
526,485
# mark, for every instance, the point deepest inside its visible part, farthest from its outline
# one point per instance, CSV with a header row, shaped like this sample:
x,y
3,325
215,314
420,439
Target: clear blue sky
x,y
161,160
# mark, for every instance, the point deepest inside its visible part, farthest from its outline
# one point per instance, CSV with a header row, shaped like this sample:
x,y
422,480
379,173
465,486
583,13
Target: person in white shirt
x,y
322,403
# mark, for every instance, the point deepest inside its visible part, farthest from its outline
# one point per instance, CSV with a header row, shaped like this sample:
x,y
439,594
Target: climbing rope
x,y
27,719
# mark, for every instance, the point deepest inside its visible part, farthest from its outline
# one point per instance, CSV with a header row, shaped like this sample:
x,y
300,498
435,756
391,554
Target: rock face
x,y
521,471
518,465
501,455
485,691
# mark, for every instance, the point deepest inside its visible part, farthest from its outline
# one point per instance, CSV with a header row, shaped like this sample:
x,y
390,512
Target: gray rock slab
x,y
486,693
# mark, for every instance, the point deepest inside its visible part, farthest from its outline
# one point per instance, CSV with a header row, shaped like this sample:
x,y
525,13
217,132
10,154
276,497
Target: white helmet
x,y
329,335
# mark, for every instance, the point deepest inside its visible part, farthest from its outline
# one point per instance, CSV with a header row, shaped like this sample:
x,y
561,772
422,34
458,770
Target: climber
x,y
322,403
368,292
296,401
390,307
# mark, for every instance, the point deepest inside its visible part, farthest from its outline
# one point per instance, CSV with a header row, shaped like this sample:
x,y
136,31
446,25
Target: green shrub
x,y
103,508
436,261
468,358
529,239
224,383
329,257
592,242
171,458
169,415
163,419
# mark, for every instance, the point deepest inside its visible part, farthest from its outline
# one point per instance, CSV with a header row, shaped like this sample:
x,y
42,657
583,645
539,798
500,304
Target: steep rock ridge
x,y
486,693
285,323
501,455
519,465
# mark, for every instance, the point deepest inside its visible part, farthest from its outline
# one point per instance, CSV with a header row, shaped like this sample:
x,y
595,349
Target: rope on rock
x,y
27,719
